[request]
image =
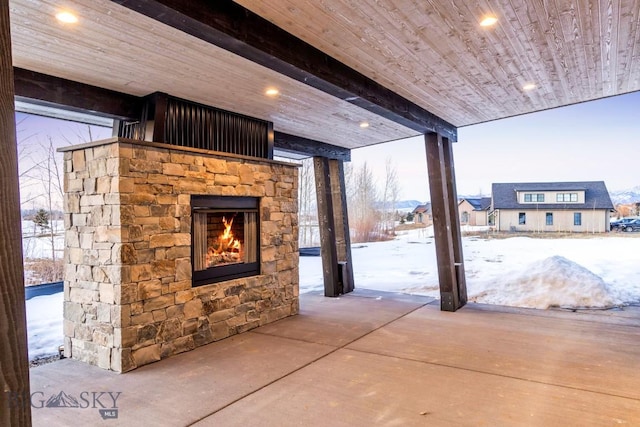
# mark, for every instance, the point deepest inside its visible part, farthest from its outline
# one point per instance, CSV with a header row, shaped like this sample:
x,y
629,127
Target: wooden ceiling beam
x,y
50,91
299,145
242,32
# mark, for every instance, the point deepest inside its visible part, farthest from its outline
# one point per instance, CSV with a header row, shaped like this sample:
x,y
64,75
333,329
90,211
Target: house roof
x,y
479,203
596,195
485,203
338,63
422,208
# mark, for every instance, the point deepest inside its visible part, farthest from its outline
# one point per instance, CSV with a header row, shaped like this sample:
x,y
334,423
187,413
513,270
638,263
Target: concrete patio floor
x,y
375,358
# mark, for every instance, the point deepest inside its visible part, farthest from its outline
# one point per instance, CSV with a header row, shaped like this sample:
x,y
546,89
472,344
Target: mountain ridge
x,y
630,195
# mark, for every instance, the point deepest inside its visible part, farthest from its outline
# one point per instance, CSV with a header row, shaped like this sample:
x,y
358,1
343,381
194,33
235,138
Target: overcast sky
x,y
592,141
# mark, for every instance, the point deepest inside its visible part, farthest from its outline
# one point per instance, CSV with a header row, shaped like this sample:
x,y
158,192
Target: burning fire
x,y
229,248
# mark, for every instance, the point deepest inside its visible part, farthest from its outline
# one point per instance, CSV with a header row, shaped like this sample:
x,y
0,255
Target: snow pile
x,y
551,282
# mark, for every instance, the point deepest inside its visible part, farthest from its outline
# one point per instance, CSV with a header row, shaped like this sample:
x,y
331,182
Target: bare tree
x,y
348,181
83,133
363,216
306,198
41,187
390,190
28,162
47,173
52,181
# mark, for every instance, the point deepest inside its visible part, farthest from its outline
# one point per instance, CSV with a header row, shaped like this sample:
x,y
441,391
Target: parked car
x,y
633,225
618,224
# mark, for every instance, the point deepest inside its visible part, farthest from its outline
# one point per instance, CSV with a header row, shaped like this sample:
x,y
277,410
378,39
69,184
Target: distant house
x,y
422,214
474,211
551,206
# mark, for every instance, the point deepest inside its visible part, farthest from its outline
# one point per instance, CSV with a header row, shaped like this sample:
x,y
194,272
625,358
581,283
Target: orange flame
x,y
229,248
228,243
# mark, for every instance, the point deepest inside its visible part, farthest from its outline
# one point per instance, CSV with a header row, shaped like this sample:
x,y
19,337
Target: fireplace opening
x,y
225,238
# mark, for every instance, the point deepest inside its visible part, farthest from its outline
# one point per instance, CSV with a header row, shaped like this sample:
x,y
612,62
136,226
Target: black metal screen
x,y
199,126
188,124
134,130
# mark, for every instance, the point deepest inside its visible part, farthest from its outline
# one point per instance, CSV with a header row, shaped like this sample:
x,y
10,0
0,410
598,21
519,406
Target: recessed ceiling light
x,y
364,125
529,86
488,21
271,91
66,17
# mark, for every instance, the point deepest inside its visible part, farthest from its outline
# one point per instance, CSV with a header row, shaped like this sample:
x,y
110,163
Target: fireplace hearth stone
x,y
129,298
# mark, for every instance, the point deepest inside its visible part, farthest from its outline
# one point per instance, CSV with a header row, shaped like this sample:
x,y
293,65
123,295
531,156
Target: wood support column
x,y
15,409
446,224
335,242
343,239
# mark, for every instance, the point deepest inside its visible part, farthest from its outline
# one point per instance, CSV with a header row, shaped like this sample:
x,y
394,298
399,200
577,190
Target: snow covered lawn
x,y
596,272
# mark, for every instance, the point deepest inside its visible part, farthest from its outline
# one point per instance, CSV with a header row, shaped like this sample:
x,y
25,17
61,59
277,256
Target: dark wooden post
x,y
446,225
456,235
15,409
326,224
334,226
343,239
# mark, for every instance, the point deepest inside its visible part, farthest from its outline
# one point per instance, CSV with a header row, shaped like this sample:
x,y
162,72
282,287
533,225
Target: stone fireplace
x,y
169,248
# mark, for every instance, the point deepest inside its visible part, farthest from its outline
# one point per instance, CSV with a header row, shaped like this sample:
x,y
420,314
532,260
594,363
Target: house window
x,y
534,197
567,197
465,217
577,218
522,218
549,218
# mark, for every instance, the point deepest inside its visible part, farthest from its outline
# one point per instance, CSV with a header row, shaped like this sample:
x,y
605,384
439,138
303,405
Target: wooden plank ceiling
x,y
115,48
437,55
432,53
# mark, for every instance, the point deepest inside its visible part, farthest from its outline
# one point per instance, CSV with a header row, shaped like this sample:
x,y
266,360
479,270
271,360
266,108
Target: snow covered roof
x,y
596,194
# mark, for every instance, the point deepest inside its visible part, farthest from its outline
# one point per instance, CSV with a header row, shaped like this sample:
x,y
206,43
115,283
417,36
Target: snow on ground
x,y
597,272
581,272
44,325
34,245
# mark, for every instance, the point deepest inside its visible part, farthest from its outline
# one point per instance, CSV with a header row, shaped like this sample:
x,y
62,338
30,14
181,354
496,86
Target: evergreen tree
x,y
41,219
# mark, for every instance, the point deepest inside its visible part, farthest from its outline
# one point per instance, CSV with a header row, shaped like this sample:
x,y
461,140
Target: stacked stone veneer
x,y
128,296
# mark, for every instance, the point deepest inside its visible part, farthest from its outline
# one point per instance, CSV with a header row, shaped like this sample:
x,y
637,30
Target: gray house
x,y
551,206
